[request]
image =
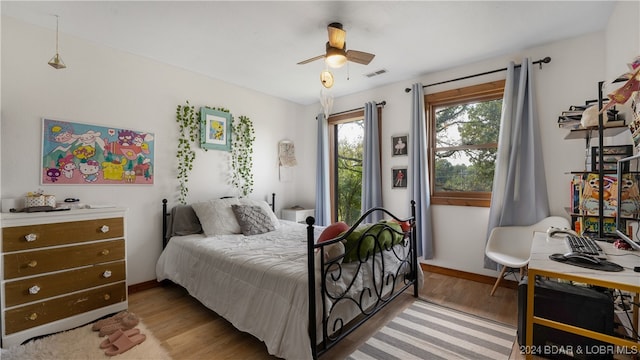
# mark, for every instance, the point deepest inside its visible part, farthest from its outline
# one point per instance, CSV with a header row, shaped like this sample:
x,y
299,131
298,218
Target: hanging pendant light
x,y
56,60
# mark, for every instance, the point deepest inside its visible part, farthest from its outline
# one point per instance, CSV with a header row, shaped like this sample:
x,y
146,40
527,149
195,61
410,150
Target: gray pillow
x,y
253,220
183,221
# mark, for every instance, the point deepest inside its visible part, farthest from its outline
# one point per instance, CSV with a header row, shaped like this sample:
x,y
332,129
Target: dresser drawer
x,y
37,236
41,287
37,314
41,261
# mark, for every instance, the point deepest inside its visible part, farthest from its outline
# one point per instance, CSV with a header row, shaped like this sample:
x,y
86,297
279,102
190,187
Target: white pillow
x,y
267,209
217,217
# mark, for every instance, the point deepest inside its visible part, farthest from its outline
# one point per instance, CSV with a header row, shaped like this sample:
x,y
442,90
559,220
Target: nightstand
x,y
297,215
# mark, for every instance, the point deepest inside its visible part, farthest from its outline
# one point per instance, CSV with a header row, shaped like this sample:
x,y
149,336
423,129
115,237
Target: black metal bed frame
x,y
336,328
384,290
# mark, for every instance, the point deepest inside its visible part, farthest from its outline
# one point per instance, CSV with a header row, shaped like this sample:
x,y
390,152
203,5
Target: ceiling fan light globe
x,y
335,57
335,60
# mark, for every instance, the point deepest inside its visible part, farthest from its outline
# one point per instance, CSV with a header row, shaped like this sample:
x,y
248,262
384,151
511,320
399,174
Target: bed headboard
x,y
166,214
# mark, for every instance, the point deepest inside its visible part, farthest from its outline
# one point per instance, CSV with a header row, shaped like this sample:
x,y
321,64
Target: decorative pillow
x,y
332,231
405,225
265,207
183,221
253,220
369,233
216,216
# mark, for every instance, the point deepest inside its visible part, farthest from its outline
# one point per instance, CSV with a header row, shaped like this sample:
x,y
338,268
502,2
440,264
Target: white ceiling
x,y
257,44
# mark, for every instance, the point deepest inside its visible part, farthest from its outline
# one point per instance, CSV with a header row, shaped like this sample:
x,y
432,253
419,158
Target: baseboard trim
x,y
468,276
142,286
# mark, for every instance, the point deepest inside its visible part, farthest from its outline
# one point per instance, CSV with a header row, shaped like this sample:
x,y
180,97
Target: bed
x,y
277,277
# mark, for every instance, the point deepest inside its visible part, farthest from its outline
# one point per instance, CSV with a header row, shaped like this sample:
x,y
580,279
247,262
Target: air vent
x,y
376,73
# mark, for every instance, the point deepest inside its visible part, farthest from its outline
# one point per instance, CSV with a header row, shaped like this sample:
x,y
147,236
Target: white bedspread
x,y
258,283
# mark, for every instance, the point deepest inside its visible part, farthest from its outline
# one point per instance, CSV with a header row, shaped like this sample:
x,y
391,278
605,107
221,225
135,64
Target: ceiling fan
x,y
337,54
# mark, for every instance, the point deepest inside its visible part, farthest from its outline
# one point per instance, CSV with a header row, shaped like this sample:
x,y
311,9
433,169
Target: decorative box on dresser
x,y
60,270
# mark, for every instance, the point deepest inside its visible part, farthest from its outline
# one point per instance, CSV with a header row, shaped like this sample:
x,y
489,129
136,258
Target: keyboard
x,y
585,245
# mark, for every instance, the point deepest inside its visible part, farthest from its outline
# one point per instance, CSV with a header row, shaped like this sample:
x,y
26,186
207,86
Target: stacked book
x,y
570,119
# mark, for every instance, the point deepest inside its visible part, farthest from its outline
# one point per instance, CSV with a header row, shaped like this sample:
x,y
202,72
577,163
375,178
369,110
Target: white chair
x,y
510,246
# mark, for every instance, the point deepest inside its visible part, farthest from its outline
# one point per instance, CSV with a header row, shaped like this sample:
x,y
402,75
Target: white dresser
x,y
60,270
297,215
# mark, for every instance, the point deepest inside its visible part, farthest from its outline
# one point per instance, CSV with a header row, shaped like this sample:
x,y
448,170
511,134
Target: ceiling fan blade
x,y
310,60
336,35
359,57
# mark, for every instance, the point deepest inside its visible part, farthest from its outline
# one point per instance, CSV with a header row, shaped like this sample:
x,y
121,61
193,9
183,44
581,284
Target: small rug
x,y
428,331
83,343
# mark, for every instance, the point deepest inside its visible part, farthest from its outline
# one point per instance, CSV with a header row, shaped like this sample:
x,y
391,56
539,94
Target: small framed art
x,y
399,144
399,177
215,129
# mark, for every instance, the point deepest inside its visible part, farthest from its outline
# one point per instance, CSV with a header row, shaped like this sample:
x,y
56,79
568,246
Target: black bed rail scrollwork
x,y
386,253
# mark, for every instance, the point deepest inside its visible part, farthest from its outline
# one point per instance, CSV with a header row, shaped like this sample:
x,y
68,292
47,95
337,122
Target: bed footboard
x,y
379,262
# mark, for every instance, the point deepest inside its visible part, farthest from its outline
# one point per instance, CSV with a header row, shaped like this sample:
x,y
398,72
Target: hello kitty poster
x,y
84,154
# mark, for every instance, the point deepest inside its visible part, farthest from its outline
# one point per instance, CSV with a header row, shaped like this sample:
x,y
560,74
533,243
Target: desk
x,y
541,265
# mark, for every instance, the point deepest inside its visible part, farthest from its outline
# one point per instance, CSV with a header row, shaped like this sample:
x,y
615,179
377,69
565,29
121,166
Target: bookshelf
x,y
600,131
588,133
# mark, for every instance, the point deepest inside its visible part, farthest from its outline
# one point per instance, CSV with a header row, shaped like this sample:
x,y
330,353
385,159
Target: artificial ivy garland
x,y
189,129
242,155
241,149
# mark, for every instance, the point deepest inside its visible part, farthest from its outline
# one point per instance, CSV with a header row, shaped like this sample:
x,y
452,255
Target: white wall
x,y
106,87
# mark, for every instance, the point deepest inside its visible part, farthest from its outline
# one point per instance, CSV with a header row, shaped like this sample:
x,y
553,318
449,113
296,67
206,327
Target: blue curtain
x,y
323,201
419,173
519,195
371,173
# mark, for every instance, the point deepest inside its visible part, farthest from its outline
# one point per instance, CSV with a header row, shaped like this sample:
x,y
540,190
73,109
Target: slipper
x,y
126,323
110,320
124,343
113,337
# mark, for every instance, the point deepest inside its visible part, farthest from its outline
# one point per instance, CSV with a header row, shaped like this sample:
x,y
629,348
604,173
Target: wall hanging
x,y
215,129
399,145
286,160
399,177
77,153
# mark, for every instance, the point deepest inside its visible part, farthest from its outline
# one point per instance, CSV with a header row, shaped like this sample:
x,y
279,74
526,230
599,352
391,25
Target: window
x,y
463,127
346,146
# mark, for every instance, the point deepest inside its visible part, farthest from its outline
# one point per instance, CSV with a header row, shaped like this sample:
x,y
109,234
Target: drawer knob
x,y
107,296
104,228
106,274
105,252
32,264
34,289
33,316
31,237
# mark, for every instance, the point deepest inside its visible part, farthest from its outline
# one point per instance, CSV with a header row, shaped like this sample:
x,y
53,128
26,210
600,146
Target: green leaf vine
x,y
242,155
188,133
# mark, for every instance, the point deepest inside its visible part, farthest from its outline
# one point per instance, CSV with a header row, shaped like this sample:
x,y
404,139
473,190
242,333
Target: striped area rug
x,y
428,331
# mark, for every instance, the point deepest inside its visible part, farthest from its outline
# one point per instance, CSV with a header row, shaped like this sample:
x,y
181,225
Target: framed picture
x,y
399,177
399,145
215,129
84,154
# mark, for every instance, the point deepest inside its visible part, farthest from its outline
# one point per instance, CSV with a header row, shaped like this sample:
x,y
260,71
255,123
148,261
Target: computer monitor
x,y
628,206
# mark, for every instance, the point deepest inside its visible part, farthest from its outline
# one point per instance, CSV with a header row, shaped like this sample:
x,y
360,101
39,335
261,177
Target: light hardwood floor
x,y
188,330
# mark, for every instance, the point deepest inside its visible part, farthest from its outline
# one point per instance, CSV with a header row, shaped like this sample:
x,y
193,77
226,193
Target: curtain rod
x,y
546,60
382,103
